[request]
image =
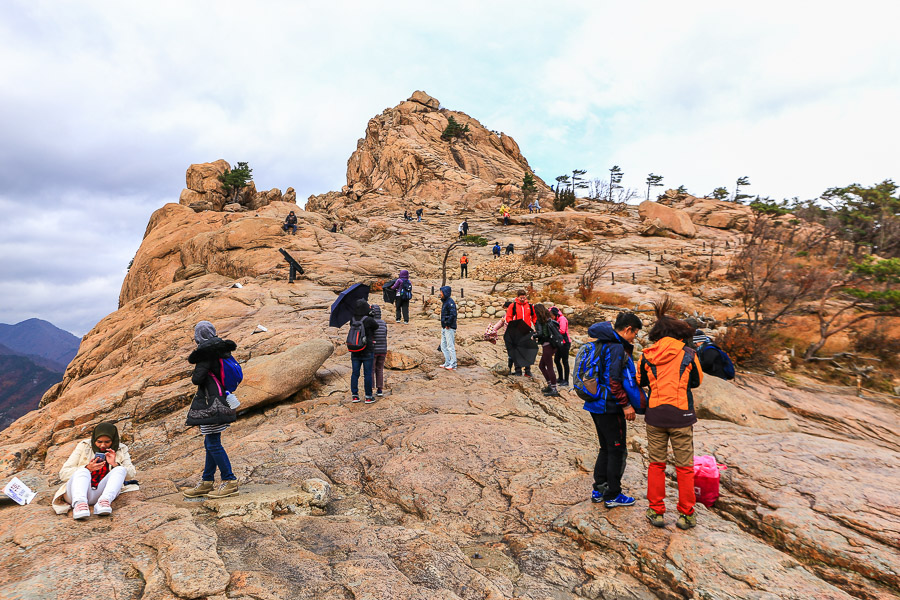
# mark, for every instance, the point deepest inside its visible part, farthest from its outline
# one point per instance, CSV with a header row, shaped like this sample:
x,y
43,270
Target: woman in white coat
x,y
95,474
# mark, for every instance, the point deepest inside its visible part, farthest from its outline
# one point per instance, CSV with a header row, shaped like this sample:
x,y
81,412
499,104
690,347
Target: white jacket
x,y
80,457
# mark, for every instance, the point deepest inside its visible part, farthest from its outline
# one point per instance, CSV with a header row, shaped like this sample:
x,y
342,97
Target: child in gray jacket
x,y
381,349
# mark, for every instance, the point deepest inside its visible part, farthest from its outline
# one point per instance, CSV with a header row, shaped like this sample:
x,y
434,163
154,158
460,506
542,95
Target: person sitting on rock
x,y
496,250
510,249
334,228
95,474
208,377
290,222
670,369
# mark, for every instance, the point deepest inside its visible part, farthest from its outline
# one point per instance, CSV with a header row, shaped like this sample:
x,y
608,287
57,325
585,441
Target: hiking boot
x,y
516,373
545,389
102,507
620,500
379,393
354,399
529,375
597,496
228,488
552,393
656,519
201,489
686,521
563,383
370,400
81,511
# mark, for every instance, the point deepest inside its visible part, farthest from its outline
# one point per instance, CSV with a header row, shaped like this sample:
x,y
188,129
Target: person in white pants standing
x,y
95,474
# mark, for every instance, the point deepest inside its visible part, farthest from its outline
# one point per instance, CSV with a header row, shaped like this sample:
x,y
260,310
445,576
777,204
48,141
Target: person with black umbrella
x,y
364,358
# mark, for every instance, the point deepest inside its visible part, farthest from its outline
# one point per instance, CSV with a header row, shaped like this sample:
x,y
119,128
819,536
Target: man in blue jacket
x,y
448,329
617,394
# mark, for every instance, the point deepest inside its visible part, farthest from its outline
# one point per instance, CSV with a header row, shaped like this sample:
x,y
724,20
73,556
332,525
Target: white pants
x,y
448,347
79,487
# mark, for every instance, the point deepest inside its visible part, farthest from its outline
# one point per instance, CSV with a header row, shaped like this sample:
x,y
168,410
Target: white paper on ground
x,y
18,491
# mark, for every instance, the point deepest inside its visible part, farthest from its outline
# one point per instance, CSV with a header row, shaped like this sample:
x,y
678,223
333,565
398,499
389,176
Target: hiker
x,y
519,334
605,379
379,350
530,207
562,353
671,369
503,208
510,249
537,205
713,360
206,376
547,334
448,329
94,474
460,230
362,323
334,228
464,266
290,222
506,217
404,294
465,227
496,250
419,212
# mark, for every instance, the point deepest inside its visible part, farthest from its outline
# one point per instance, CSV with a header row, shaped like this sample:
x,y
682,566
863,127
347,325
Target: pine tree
x,y
741,181
528,187
454,129
719,193
234,180
615,178
652,182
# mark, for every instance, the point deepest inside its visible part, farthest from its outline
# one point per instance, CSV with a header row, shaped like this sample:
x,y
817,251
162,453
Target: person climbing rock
x,y
403,286
94,474
562,354
290,222
363,360
464,266
380,350
448,329
605,379
670,369
207,377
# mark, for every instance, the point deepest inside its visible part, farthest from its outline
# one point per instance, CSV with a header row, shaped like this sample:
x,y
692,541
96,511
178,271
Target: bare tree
x,y
540,242
506,274
596,268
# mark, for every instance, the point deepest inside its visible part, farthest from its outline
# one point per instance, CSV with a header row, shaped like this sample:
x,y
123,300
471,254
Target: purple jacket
x,y
404,276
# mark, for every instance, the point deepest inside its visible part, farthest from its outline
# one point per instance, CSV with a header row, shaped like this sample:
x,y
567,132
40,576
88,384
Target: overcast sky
x,y
103,105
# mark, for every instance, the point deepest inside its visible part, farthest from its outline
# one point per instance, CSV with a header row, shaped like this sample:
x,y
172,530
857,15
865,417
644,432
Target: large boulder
x,y
274,377
710,212
663,217
724,401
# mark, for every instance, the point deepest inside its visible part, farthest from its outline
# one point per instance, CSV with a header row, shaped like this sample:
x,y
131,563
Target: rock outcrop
x,y
662,218
204,191
403,156
710,212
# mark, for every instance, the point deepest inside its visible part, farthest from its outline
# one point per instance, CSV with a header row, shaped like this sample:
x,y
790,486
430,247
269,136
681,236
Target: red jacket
x,y
520,310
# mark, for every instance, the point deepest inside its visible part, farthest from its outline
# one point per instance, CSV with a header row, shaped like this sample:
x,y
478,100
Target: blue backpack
x,y
727,363
590,377
405,291
232,375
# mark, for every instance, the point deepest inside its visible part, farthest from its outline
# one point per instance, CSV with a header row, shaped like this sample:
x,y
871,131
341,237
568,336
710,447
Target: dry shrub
x,y
877,341
552,292
377,286
603,297
560,258
748,348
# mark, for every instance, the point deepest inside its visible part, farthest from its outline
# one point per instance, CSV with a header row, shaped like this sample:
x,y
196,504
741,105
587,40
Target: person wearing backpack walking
x,y
208,376
604,377
465,227
562,353
496,250
419,212
546,332
670,368
448,329
380,350
403,286
713,360
361,344
464,266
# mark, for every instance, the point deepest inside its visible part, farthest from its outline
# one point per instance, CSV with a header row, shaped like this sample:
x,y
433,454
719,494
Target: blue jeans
x,y
366,363
216,457
448,347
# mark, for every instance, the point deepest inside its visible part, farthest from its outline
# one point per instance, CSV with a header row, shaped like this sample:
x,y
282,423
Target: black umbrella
x,y
342,308
520,346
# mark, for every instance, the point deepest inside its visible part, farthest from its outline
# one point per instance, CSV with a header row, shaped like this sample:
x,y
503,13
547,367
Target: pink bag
x,y
706,479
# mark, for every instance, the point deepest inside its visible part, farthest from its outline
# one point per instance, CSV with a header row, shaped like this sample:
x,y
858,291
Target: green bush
x,y
454,129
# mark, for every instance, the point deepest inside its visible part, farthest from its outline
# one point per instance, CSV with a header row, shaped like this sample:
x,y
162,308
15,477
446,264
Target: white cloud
x,y
104,104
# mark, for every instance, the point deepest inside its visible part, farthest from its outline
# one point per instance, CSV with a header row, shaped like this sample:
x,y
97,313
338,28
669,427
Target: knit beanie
x,y
204,331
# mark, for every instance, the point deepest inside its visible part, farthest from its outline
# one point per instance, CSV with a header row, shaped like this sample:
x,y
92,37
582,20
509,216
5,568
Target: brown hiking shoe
x,y
201,489
656,519
228,488
686,521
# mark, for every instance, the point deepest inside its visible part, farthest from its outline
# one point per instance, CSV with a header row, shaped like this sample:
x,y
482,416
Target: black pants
x,y
402,307
610,463
463,271
562,362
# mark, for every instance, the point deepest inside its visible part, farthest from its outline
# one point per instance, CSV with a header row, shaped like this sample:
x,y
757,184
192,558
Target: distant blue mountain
x,y
36,337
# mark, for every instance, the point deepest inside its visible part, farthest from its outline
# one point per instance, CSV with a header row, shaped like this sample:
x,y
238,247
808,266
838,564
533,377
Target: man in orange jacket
x,y
671,369
464,266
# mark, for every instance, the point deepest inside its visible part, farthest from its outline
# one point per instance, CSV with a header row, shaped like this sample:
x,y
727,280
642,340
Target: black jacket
x,y
205,359
448,309
361,311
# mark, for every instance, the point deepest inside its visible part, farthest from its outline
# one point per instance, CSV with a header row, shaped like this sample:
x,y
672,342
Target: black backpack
x,y
405,291
356,337
557,339
388,294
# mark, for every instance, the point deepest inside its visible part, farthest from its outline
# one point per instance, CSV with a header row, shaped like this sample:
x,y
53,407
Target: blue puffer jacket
x,y
448,309
617,372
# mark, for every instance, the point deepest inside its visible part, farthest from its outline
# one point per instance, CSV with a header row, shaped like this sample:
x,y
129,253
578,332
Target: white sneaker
x,y
102,507
81,511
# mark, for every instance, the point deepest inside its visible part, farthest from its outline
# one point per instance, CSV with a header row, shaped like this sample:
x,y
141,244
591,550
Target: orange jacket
x,y
464,260
520,310
670,368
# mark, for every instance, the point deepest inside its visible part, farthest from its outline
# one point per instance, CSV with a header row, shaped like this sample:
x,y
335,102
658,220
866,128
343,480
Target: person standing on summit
x,y
448,329
403,287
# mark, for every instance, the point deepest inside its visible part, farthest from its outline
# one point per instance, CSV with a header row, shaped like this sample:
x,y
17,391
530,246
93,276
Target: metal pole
x,y
657,270
462,293
632,278
432,290
613,278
